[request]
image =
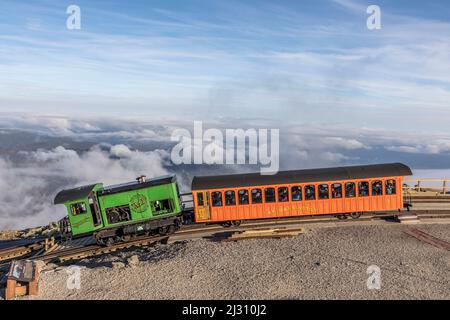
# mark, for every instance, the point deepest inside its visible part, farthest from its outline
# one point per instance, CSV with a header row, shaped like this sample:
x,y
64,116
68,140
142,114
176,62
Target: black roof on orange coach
x,y
301,176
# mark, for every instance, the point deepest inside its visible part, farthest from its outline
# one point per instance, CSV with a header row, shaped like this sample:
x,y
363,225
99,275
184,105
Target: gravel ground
x,y
323,263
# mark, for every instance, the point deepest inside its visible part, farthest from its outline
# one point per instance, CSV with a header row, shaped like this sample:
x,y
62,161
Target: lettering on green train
x,y
79,223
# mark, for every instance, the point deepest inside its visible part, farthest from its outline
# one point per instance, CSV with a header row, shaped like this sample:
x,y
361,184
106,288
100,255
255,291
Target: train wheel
x,y
226,224
125,238
355,215
162,231
236,223
171,229
341,216
109,241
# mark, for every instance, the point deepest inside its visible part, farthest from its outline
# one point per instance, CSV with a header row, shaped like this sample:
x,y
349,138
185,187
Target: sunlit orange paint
x,y
384,202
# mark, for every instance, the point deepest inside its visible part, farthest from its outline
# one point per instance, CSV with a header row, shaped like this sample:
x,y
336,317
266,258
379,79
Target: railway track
x,y
424,214
34,251
94,250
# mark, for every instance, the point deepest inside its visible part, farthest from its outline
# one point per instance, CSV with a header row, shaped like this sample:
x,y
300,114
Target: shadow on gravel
x,y
219,236
150,254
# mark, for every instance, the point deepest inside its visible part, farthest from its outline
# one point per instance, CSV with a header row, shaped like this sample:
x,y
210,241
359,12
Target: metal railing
x,y
436,185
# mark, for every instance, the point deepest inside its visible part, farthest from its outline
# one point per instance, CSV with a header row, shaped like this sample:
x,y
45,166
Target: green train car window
x,y
78,208
161,206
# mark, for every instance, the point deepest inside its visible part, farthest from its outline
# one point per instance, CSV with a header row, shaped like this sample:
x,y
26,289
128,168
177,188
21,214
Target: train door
x,y
95,210
203,208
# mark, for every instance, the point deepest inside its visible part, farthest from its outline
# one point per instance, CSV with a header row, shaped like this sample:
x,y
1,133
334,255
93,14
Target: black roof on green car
x,y
84,191
300,176
135,185
73,194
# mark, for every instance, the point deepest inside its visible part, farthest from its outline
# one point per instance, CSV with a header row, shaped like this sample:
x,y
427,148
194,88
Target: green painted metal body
x,y
82,223
142,204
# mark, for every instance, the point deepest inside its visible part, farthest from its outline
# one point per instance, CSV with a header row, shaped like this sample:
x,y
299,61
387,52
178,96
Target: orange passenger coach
x,y
341,191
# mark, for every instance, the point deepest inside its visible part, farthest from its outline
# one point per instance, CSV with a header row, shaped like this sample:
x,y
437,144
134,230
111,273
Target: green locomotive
x,y
116,213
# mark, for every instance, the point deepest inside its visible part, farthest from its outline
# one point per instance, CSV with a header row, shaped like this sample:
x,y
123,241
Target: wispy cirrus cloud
x,y
303,61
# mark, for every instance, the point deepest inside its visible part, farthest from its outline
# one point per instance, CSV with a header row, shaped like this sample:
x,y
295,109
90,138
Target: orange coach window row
x,y
304,192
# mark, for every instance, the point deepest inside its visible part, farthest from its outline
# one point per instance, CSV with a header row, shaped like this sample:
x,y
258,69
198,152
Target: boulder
x,y
117,265
133,260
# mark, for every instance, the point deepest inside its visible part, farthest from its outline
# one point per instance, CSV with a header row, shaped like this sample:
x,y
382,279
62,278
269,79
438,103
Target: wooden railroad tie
x,y
22,279
264,233
425,237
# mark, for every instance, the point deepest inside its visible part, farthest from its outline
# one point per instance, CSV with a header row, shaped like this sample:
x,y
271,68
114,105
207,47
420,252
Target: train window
x,y
323,191
256,196
230,198
283,194
363,188
216,198
78,208
310,192
296,193
200,199
161,206
390,186
336,190
243,196
269,195
350,190
377,188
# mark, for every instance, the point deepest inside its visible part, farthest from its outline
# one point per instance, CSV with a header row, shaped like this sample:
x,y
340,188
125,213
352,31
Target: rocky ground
x,y
323,263
45,231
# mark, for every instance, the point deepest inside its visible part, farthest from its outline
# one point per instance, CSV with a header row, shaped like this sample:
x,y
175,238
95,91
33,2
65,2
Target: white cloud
x,y
121,150
407,149
424,146
27,191
346,143
334,157
114,154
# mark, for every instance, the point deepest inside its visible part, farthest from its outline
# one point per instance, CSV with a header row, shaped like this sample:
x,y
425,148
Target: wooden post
x,y
10,292
444,186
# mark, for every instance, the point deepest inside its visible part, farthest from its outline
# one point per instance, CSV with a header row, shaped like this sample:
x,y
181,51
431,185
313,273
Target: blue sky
x,y
292,61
